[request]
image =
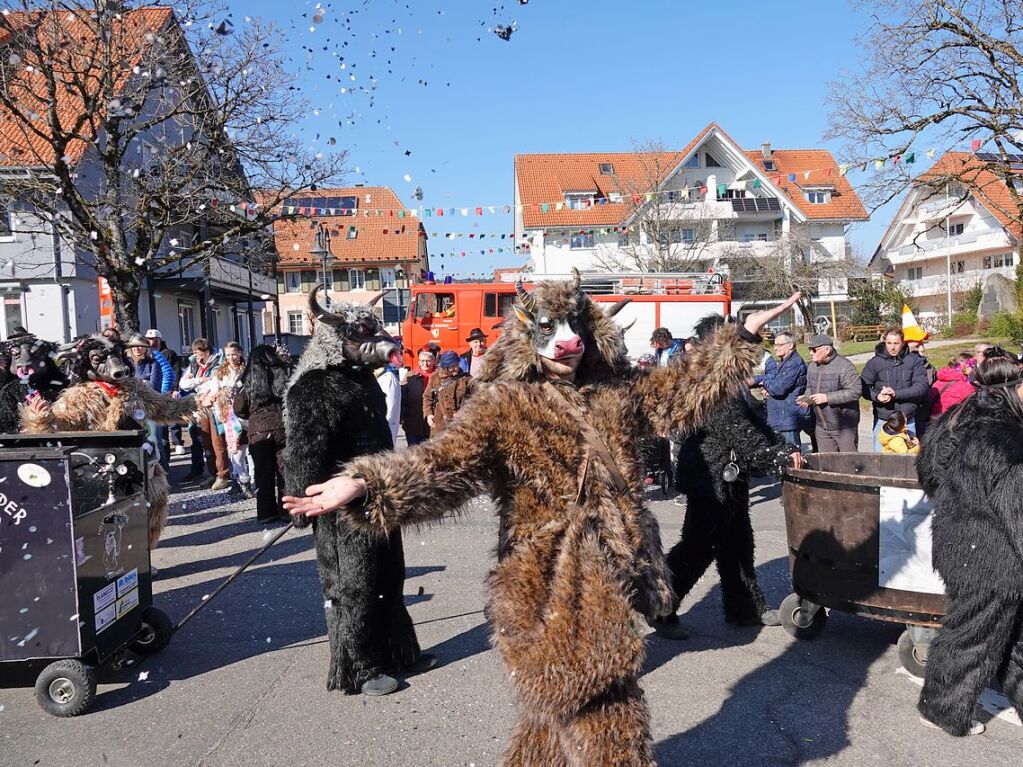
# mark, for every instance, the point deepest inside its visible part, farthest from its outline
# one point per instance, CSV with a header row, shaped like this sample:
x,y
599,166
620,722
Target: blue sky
x,y
575,76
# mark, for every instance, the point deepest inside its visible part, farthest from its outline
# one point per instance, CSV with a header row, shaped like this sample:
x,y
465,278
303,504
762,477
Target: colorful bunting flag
x,y
976,144
910,158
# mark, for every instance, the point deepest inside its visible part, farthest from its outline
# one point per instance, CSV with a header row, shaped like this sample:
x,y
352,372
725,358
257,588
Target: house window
x,y
12,313
356,279
623,240
606,169
1002,259
694,194
769,165
296,322
186,324
293,282
985,262
579,201
581,241
732,194
688,235
328,279
352,233
711,162
692,162
915,273
6,222
388,279
818,196
672,195
958,267
954,230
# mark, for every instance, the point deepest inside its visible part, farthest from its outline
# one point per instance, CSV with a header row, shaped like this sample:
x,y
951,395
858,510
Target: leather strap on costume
x,y
595,443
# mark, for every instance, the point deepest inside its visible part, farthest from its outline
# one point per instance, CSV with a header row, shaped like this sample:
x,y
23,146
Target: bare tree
x,y
142,133
795,262
667,229
937,72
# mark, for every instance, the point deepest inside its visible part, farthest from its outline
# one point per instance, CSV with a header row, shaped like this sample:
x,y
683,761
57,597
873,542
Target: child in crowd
x,y
896,439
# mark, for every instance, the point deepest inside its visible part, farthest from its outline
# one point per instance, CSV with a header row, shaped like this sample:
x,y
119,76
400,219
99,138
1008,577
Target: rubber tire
x,y
157,630
908,656
794,621
82,678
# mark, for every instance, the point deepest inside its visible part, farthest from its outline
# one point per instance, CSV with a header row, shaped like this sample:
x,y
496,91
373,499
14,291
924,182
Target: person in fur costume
x,y
32,370
578,553
714,467
970,468
109,398
335,411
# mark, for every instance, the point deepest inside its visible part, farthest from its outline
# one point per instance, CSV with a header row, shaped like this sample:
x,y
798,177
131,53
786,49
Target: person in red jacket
x,y
951,386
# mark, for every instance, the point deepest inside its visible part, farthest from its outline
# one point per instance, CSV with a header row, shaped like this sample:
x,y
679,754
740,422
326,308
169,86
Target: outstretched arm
x,y
679,398
417,485
159,408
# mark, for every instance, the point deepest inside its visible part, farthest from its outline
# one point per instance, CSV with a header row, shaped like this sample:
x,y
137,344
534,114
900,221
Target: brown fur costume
x,y
88,407
570,573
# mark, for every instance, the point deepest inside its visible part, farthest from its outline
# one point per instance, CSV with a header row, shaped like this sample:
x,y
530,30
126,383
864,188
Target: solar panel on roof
x,y
992,157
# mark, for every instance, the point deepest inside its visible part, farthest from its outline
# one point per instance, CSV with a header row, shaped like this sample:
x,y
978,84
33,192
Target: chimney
x,y
765,150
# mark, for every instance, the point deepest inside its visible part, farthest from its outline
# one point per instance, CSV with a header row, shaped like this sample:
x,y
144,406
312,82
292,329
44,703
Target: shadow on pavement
x,y
794,708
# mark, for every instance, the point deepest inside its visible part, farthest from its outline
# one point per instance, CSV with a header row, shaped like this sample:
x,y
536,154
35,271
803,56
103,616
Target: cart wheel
x,y
801,618
156,632
66,688
912,656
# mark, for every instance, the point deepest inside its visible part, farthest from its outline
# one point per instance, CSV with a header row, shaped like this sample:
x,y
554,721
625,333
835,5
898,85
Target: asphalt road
x,y
243,683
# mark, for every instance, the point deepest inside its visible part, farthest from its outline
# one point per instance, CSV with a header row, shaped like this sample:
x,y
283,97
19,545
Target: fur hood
x,y
514,356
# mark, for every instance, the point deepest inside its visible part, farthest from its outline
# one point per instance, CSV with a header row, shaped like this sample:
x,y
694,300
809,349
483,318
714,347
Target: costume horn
x,y
615,308
525,303
321,314
372,301
577,280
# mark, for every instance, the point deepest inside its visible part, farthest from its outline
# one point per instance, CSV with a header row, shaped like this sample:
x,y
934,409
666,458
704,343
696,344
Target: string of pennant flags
x,y
423,212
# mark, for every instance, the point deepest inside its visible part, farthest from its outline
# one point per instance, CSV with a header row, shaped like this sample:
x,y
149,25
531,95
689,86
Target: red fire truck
x,y
447,313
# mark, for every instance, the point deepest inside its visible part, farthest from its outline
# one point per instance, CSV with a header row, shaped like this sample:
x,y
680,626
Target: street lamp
x,y
322,251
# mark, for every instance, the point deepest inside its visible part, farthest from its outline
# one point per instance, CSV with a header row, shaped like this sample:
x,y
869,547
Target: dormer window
x,y
769,165
606,169
818,196
579,200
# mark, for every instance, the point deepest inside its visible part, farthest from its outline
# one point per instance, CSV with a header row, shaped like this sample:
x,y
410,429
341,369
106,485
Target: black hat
x,y
477,335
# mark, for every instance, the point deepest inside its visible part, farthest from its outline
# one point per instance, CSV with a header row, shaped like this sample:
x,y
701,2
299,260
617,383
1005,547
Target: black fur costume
x,y
335,412
46,378
970,466
717,524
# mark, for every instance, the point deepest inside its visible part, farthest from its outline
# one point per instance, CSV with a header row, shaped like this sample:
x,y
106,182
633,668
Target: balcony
x,y
935,284
964,243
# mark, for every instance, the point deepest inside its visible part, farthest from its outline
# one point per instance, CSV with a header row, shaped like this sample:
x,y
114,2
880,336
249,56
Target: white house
x,y
54,291
593,211
943,242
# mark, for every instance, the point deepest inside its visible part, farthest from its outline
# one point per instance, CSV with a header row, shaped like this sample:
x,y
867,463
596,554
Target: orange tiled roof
x,y
845,205
546,178
68,35
383,239
986,186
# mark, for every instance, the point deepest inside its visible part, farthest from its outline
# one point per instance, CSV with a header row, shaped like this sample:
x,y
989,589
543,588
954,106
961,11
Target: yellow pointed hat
x,y
911,331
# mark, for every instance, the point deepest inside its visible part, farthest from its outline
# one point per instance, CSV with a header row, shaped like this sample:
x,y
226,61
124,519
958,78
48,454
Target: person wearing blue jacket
x,y
784,379
153,368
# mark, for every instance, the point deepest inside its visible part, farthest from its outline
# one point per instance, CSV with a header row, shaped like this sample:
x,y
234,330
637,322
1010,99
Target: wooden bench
x,y
862,332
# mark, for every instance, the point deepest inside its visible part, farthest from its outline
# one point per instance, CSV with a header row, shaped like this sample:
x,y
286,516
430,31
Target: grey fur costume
x,y
335,412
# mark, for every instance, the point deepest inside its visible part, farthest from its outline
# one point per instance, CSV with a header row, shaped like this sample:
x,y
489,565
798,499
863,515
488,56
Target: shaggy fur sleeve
x,y
70,412
678,398
36,423
160,408
434,478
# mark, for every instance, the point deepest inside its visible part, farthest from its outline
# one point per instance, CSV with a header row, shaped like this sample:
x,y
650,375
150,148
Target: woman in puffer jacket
x,y
951,386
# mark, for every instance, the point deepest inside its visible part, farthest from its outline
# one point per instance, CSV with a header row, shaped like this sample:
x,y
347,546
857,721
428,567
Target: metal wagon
x,y
74,560
858,529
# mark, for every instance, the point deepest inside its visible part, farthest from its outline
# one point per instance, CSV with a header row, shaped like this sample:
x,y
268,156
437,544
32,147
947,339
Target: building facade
x,y
373,243
698,208
942,242
52,288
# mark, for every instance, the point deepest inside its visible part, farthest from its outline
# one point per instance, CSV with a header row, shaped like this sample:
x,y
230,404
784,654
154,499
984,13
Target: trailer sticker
x,y
904,542
104,596
127,582
105,617
33,475
127,603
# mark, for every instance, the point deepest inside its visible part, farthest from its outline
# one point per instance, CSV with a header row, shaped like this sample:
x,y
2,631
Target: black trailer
x,y
74,560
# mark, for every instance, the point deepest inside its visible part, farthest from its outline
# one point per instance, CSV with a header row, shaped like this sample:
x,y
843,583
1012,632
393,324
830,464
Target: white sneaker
x,y
976,728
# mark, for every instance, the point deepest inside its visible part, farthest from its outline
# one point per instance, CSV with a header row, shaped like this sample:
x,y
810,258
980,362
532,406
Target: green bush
x,y
963,324
1005,324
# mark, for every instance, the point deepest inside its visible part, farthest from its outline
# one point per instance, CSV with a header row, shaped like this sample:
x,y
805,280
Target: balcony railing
x,y
929,244
961,281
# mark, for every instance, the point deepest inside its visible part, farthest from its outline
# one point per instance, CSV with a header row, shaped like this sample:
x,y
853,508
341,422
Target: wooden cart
x,y
846,552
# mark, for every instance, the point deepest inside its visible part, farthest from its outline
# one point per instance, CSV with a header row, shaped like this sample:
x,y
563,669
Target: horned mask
x,y
355,332
556,321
